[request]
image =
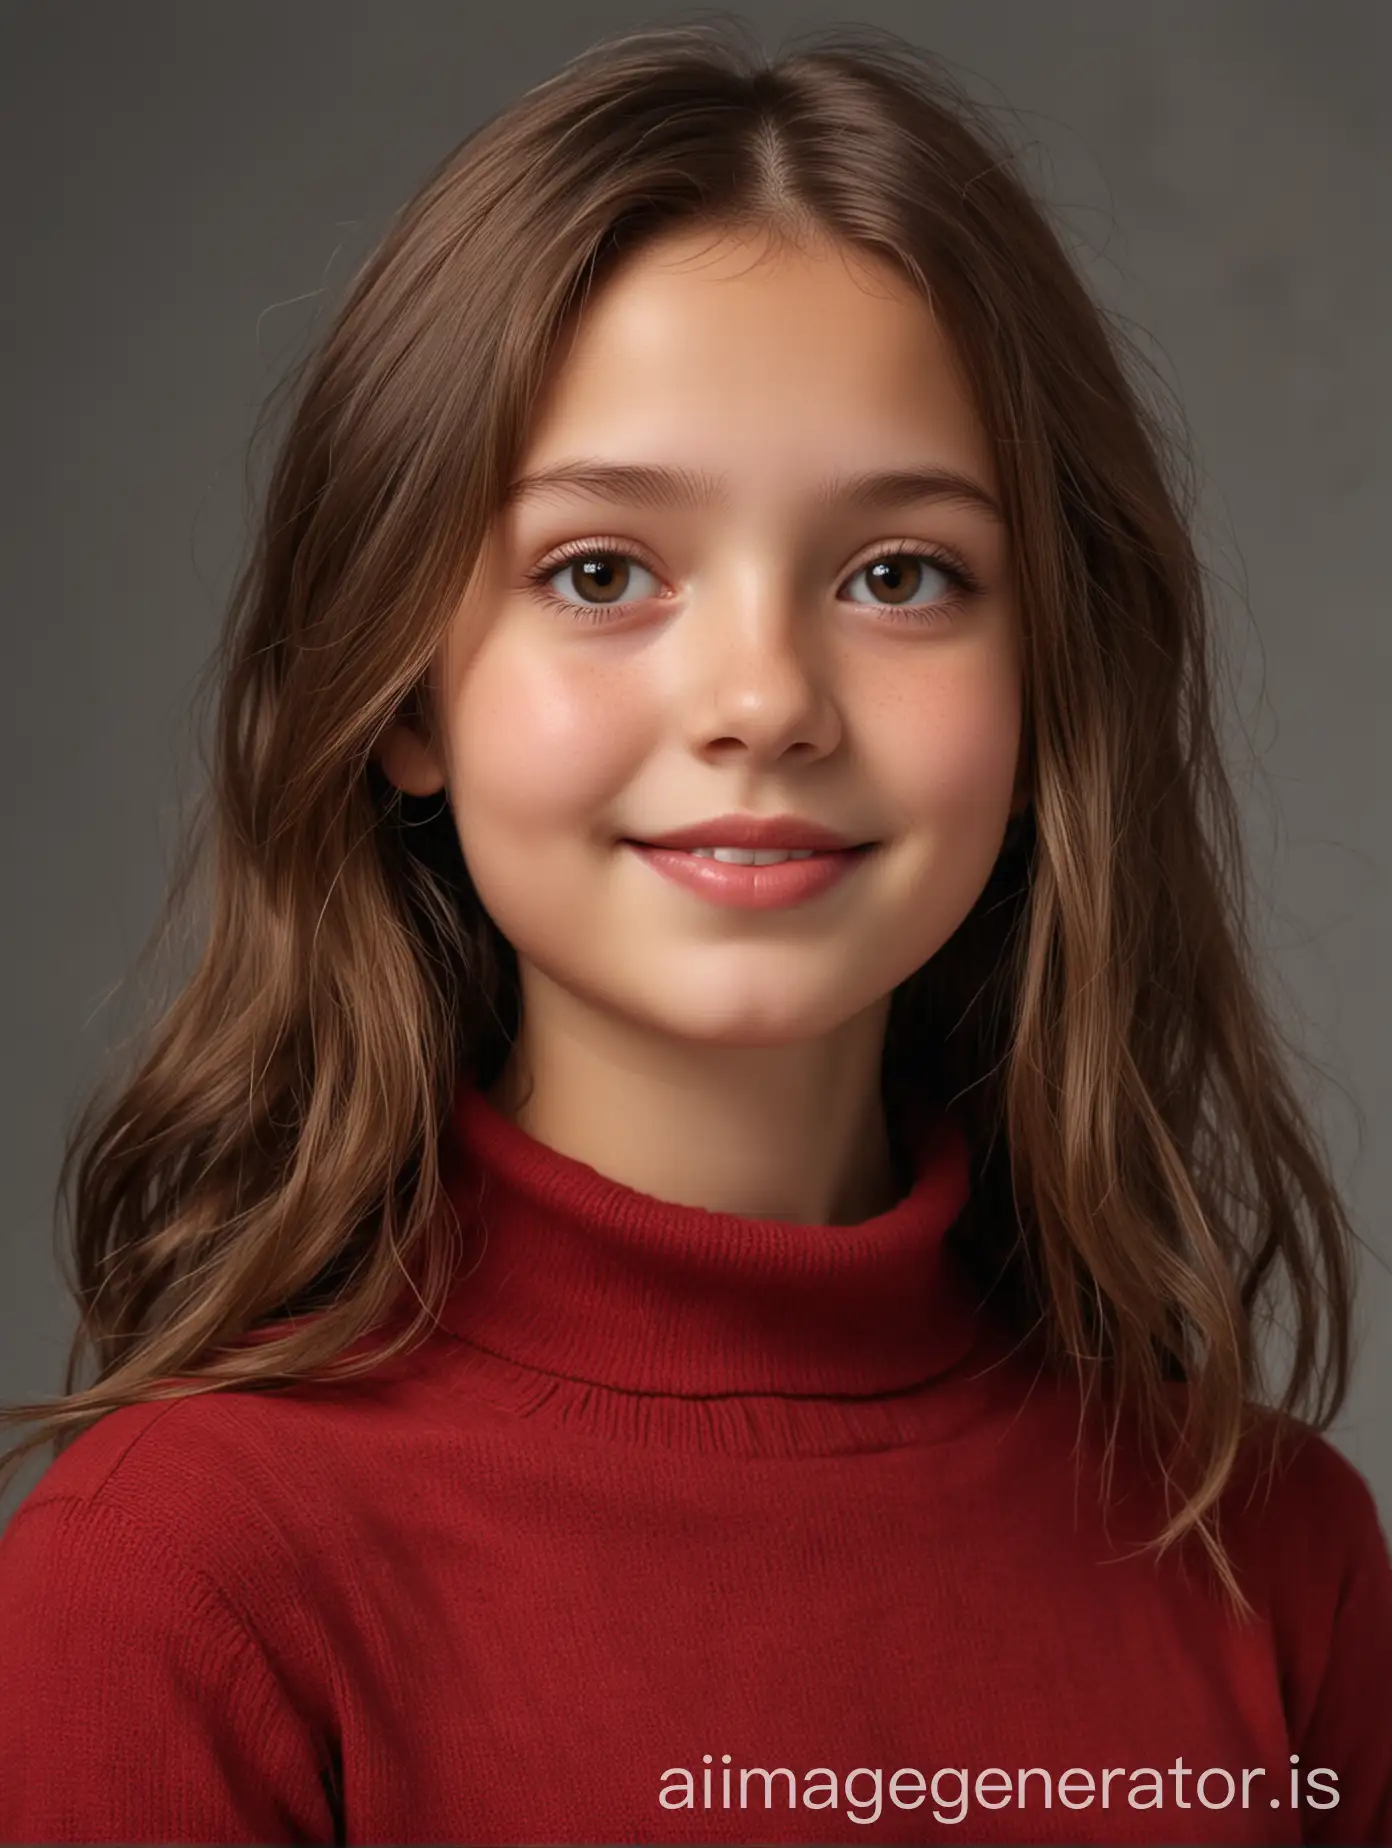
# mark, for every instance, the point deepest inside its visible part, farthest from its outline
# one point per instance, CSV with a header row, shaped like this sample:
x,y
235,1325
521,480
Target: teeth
x,y
744,856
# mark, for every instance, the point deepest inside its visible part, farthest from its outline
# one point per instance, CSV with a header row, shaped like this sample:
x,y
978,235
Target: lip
x,y
754,832
753,888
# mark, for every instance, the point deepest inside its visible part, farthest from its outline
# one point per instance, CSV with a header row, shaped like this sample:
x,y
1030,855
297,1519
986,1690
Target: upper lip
x,y
755,832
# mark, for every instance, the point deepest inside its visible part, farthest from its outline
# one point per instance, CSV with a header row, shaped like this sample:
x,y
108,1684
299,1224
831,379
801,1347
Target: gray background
x,y
187,187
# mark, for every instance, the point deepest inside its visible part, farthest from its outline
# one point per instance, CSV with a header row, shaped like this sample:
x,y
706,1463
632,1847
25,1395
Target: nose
x,y
757,677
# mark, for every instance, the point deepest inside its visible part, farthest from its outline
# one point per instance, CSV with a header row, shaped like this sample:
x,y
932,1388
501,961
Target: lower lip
x,y
752,888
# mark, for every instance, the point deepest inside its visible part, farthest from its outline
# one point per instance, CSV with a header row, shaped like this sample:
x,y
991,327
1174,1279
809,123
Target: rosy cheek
x,y
540,746
948,748
982,742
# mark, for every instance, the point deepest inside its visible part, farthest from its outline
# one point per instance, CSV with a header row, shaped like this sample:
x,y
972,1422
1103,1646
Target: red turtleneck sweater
x,y
683,1528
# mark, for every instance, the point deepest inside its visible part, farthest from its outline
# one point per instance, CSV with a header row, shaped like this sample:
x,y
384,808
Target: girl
x,y
688,1265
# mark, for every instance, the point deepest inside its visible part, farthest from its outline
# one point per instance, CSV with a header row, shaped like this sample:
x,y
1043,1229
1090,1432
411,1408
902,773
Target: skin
x,y
721,1058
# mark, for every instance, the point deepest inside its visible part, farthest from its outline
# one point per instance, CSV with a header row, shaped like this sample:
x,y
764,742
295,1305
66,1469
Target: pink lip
x,y
752,888
764,833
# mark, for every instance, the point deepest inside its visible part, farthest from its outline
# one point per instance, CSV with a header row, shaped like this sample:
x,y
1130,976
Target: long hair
x,y
1144,1178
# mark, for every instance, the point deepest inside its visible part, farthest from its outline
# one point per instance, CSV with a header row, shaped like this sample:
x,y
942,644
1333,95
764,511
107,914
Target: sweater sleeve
x,y
1341,1714
136,1705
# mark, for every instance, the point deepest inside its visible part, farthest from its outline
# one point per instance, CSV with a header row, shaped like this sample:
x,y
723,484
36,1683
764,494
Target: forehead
x,y
741,353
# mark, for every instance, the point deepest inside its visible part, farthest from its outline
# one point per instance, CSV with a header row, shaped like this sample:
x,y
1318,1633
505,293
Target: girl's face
x,y
735,631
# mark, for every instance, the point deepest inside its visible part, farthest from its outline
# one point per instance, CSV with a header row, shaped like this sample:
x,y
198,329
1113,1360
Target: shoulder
x,y
122,1447
1316,1547
221,1493
212,1458
148,1594
172,1484
198,1457
1287,1469
200,1516
238,1482
1305,1522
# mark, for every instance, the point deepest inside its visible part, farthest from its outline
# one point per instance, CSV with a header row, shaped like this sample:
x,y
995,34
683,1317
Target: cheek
x,y
945,750
536,747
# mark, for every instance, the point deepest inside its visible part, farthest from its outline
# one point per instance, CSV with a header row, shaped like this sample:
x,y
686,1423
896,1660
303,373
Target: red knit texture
x,y
677,1508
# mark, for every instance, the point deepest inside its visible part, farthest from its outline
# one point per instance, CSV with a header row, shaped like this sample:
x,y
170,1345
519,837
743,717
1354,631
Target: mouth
x,y
753,879
750,856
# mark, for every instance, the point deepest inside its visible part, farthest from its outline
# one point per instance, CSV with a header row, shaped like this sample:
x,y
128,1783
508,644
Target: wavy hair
x,y
1144,1178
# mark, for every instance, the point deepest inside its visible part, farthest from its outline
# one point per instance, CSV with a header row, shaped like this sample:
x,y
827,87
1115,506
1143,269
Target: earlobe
x,y
409,762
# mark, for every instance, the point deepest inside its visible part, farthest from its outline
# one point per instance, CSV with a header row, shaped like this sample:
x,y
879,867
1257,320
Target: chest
x,y
803,1655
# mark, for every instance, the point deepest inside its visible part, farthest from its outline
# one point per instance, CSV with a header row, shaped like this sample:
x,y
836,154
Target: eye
x,y
596,577
900,579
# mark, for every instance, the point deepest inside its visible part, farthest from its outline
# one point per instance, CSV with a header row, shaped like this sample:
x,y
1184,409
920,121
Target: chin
x,y
739,1017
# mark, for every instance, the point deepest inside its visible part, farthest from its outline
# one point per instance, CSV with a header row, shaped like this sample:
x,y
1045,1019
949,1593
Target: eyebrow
x,y
646,485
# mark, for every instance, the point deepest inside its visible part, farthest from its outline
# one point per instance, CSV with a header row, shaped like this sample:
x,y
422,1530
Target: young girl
x,y
689,1265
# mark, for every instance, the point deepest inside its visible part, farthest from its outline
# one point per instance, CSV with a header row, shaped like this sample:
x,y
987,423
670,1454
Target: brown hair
x,y
1144,1175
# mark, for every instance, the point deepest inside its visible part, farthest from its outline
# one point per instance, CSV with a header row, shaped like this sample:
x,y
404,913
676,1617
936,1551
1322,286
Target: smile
x,y
752,880
748,856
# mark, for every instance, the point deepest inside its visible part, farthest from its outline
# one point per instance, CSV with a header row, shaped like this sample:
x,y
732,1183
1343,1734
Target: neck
x,y
794,1132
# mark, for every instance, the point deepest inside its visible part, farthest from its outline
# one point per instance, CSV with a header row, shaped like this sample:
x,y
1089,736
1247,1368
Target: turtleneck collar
x,y
570,1273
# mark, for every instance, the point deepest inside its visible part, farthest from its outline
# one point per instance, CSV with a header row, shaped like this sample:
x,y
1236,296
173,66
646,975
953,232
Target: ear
x,y
409,761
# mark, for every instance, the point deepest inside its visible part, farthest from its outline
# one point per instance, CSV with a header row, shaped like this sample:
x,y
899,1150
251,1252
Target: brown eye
x,y
600,577
895,579
593,577
905,577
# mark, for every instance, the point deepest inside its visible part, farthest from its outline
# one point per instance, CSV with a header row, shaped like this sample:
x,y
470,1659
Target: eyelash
x,y
948,563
